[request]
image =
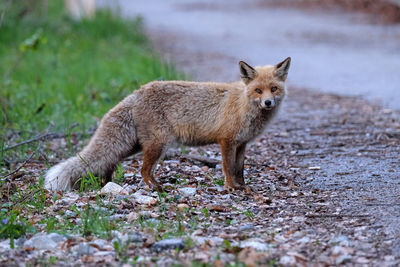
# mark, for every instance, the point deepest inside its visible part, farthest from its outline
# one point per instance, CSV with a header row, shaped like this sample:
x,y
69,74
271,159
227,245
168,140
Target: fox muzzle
x,y
268,104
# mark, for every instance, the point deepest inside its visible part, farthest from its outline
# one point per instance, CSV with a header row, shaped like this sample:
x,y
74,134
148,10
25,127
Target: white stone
x,y
146,200
43,241
256,245
187,191
287,260
112,188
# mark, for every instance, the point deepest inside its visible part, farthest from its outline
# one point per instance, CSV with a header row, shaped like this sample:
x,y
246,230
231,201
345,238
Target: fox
x,y
161,114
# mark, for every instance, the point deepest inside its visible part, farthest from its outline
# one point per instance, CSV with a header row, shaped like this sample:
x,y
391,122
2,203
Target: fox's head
x,y
265,85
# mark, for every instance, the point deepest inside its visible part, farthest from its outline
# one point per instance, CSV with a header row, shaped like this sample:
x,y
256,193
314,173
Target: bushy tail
x,y
65,174
114,140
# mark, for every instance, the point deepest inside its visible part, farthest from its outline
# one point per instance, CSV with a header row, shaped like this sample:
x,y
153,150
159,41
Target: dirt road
x,y
335,53
342,145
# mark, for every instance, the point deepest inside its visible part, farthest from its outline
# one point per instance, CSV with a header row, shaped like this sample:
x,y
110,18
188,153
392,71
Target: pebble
x,y
217,188
287,260
113,189
183,206
256,245
43,241
145,200
247,227
343,259
133,216
99,242
135,237
84,249
341,240
104,253
129,175
187,191
304,240
173,243
5,245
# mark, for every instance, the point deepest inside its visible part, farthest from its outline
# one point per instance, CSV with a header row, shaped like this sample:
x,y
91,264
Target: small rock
x,y
343,259
287,260
133,216
187,191
5,245
115,234
173,243
298,219
104,253
341,240
145,200
205,168
256,245
57,237
129,175
135,237
304,240
183,206
43,241
314,168
84,249
217,188
113,189
337,250
145,214
247,227
99,243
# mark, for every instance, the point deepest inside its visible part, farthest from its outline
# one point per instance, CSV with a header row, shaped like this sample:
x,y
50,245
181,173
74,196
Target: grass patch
x,y
65,71
55,69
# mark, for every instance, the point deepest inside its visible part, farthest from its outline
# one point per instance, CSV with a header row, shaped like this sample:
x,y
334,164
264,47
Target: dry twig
x,y
31,155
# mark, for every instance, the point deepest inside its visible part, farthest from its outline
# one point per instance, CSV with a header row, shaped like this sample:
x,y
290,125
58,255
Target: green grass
x,y
56,69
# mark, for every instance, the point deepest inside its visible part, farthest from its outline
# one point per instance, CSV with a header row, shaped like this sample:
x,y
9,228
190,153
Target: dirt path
x,y
353,144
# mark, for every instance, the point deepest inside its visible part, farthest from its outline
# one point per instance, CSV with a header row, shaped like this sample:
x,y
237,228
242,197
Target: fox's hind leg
x,y
151,153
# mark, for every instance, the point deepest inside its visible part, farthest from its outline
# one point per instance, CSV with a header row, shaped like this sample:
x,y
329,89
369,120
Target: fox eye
x,y
258,90
274,88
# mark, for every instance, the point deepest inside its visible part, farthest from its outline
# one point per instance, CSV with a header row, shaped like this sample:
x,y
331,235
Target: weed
x,y
89,182
12,226
119,175
205,212
96,221
249,214
219,181
122,249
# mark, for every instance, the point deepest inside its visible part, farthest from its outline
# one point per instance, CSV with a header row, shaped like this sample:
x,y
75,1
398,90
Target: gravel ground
x,y
312,203
325,181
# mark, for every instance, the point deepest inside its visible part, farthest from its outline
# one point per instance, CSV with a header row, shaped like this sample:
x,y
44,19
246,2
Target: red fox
x,y
164,113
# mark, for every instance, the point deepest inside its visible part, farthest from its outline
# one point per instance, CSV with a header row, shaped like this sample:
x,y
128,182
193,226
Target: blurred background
x,y
348,47
65,62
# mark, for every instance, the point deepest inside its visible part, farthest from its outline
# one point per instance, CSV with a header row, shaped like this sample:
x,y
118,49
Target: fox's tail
x,y
114,140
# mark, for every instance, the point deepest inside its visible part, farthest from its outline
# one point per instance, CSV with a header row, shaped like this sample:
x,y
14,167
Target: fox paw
x,y
154,187
238,187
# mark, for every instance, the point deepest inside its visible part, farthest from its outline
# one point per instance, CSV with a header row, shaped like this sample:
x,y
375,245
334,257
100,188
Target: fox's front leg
x,y
228,151
239,165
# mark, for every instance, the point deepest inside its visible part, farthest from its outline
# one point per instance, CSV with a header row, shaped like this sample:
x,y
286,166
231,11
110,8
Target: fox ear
x,y
282,69
247,72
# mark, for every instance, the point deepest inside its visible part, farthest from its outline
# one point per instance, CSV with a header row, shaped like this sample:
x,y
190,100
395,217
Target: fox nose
x,y
268,103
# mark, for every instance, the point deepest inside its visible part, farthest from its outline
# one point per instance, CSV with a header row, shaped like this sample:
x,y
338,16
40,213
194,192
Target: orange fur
x,y
163,113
